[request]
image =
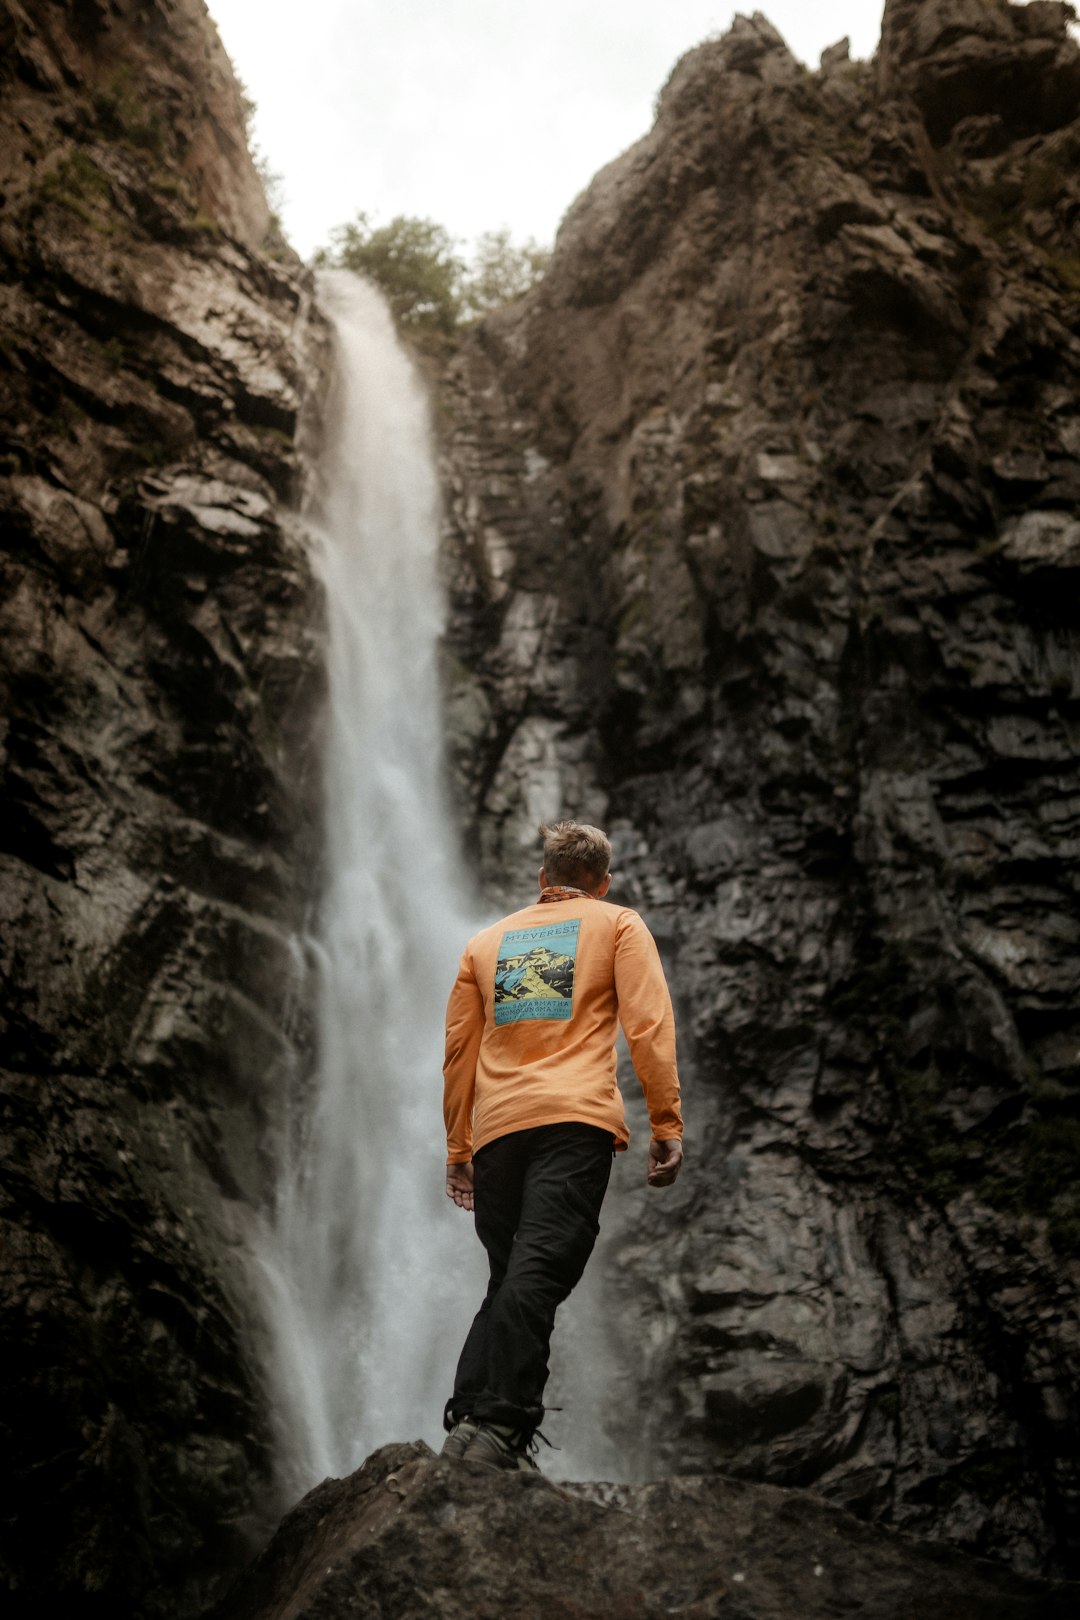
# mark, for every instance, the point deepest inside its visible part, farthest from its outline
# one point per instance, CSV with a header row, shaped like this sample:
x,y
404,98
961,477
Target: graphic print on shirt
x,y
534,975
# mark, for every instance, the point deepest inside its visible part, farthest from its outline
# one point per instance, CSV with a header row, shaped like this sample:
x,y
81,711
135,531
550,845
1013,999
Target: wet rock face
x,y
409,1536
159,665
761,527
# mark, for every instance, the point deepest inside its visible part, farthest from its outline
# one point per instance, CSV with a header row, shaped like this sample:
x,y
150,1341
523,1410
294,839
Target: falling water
x,y
371,1276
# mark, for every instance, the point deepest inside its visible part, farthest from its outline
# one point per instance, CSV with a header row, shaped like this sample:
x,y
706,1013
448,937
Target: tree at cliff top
x,y
432,289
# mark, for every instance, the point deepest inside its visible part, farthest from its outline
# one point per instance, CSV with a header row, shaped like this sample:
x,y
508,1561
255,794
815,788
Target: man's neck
x,y
563,891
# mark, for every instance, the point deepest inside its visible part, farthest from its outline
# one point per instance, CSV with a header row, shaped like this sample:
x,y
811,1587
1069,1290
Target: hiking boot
x,y
497,1446
457,1441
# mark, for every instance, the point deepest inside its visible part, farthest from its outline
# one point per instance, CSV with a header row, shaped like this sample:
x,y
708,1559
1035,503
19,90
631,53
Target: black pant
x,y
538,1195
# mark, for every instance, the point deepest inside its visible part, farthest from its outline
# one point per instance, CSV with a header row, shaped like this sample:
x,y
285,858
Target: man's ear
x,y
541,879
604,887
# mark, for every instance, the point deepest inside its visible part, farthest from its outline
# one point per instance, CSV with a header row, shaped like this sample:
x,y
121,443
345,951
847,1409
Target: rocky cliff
x,y
763,539
159,662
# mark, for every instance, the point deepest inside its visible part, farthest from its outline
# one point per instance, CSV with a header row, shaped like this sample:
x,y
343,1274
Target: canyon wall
x,y
763,548
160,667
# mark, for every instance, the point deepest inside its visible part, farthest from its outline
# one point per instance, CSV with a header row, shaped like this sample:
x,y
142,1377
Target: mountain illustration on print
x,y
533,974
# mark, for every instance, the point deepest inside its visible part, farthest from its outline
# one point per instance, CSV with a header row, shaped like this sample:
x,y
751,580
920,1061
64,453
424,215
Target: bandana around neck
x,y
561,891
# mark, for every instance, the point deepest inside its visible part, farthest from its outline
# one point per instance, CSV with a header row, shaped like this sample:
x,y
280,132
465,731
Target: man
x,y
534,1115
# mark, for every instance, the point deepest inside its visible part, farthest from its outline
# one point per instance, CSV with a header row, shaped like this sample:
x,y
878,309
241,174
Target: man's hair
x,y
575,853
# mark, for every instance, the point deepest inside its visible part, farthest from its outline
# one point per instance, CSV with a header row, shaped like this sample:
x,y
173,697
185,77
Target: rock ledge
x,y
408,1535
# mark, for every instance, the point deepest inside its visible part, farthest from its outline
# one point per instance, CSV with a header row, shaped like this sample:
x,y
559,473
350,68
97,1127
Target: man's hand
x,y
459,1185
665,1162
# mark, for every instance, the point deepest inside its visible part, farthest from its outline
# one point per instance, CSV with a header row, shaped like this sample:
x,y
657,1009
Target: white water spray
x,y
370,1275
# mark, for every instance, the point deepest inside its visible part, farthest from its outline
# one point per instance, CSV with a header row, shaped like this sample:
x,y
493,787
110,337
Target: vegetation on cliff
x,y
434,290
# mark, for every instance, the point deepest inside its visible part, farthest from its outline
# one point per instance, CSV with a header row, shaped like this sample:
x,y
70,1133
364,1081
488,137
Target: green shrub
x,y
78,185
413,263
500,272
120,114
430,287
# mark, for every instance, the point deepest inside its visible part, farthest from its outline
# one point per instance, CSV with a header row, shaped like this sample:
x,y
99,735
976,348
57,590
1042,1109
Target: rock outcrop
x,y
764,550
159,655
410,1536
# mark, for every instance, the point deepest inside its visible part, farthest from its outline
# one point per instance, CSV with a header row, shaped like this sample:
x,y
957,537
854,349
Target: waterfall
x,y
369,1274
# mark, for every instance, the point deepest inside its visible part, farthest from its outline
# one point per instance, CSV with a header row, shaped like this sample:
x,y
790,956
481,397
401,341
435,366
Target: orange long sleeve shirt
x,y
532,1021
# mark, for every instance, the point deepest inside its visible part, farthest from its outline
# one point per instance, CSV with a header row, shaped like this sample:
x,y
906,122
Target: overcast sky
x,y
476,113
